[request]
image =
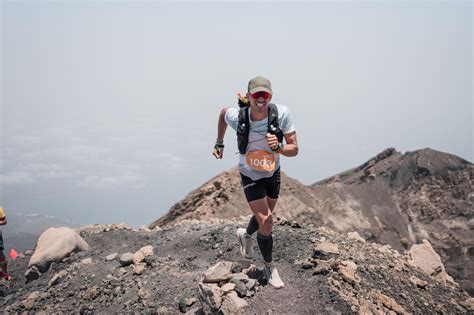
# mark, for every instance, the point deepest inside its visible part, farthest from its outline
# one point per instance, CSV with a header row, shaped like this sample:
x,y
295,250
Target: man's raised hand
x,y
218,151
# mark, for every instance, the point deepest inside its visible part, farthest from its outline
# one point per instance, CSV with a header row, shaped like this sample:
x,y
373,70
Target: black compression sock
x,y
265,243
253,225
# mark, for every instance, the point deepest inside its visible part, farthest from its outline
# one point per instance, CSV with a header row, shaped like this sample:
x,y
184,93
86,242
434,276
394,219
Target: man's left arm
x,y
3,221
291,147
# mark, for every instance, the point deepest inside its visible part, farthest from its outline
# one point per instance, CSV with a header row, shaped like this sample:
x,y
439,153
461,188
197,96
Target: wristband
x,y
279,147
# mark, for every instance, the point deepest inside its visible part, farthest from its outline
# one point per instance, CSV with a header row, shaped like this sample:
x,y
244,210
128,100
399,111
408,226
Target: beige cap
x,y
260,84
2,213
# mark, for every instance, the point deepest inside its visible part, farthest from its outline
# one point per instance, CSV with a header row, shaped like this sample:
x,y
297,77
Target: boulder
x,y
240,276
251,284
240,287
142,253
219,272
54,245
111,257
425,258
232,304
126,259
325,251
228,287
210,296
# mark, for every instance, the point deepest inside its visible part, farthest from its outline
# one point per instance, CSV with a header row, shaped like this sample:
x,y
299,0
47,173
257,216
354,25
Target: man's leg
x,y
272,203
252,227
253,190
263,213
264,217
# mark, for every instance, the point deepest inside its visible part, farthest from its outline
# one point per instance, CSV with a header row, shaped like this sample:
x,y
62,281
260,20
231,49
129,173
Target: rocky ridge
x,y
195,266
393,198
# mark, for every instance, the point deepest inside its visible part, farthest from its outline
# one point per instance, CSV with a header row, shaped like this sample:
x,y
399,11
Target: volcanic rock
x,y
184,303
57,278
226,288
142,253
240,277
126,259
210,296
111,257
232,304
219,272
240,287
424,257
325,251
103,287
53,245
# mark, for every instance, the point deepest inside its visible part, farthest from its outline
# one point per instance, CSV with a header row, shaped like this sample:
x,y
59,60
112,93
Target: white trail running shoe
x,y
245,243
272,276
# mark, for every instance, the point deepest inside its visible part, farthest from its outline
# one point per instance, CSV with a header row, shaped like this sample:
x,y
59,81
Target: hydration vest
x,y
243,129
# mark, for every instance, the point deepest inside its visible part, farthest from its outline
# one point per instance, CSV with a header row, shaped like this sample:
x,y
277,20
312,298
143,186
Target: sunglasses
x,y
263,94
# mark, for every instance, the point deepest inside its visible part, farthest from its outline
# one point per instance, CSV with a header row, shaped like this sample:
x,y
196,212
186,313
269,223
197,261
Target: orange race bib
x,y
261,160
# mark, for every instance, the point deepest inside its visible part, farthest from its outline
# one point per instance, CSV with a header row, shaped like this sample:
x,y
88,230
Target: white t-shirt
x,y
258,140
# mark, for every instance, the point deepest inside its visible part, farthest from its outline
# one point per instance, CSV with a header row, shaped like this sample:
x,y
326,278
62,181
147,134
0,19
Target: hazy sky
x,y
109,108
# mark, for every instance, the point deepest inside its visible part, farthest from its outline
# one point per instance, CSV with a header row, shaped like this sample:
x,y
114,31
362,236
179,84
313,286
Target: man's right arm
x,y
221,125
221,128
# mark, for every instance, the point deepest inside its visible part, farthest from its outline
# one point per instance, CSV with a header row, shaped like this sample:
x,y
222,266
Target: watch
x,y
280,147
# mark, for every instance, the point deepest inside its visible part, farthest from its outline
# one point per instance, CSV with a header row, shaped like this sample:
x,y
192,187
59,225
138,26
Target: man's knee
x,y
265,224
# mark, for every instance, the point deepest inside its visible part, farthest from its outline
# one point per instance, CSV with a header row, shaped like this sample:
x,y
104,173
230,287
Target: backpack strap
x,y
273,125
243,130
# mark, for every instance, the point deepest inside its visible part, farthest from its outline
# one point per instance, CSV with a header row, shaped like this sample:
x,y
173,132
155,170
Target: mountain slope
x,y
404,198
222,198
393,198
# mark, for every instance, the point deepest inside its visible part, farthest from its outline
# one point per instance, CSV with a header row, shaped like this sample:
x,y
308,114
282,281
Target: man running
x,y
3,260
260,145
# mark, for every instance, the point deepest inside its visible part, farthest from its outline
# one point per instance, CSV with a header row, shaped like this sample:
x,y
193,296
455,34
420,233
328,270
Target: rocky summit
x,y
392,198
195,267
391,236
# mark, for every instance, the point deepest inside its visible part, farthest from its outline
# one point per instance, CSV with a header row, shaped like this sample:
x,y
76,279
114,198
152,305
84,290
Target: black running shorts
x,y
264,187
